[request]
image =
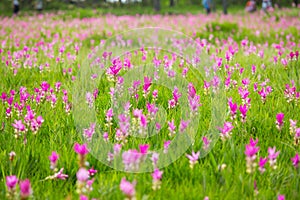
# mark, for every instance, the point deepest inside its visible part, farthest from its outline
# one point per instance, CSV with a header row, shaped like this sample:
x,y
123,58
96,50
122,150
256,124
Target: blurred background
x,y
129,7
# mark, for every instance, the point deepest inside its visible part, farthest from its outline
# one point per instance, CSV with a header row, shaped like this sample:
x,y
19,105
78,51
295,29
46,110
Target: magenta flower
x,y
147,84
166,145
19,126
82,175
281,197
243,109
191,90
262,162
131,159
25,189
144,148
279,121
226,130
172,127
128,188
53,159
176,95
92,171
154,158
206,143
81,149
233,108
250,152
156,176
89,132
183,125
11,182
109,115
193,158
272,155
296,160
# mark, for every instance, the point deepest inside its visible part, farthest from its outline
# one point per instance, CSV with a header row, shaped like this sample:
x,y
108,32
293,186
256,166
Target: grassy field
x,y
47,62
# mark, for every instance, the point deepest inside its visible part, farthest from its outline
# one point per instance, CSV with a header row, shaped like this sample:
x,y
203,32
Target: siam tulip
x,y
206,87
172,128
25,189
92,171
19,127
250,152
53,160
243,109
272,155
233,108
131,160
191,90
206,143
280,197
83,183
166,146
279,121
226,131
11,183
89,99
261,164
82,151
154,158
295,160
58,175
89,132
152,110
155,94
183,125
109,116
293,126
194,104
193,158
128,189
147,84
156,179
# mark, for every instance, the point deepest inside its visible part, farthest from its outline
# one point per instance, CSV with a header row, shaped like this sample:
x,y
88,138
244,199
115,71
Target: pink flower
x,y
81,149
144,148
172,127
295,160
262,162
279,120
272,155
11,182
82,175
243,109
250,152
193,158
147,84
233,108
191,90
19,126
53,159
166,146
92,171
157,174
25,189
206,143
226,130
109,115
183,125
281,197
128,188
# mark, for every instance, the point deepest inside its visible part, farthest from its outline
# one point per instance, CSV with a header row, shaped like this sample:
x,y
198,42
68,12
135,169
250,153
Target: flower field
x,y
150,107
